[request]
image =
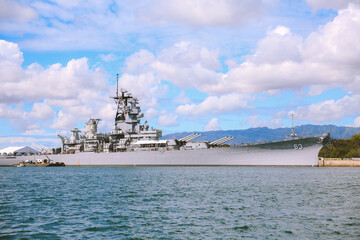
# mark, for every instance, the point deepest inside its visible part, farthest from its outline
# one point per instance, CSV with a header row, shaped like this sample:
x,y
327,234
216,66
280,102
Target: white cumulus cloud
x,y
108,57
255,121
35,82
167,119
357,122
42,111
146,87
76,89
327,58
215,104
213,125
198,13
329,110
334,4
12,10
151,113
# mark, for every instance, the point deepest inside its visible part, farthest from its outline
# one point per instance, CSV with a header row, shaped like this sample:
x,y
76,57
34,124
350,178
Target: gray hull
x,y
269,154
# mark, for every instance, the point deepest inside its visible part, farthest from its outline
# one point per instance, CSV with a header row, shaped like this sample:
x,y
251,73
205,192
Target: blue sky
x,y
194,65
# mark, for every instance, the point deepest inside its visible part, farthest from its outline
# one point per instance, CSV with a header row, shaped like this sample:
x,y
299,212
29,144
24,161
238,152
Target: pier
x,y
339,162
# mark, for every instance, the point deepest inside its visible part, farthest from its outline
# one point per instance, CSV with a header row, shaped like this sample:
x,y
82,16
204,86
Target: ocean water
x,y
180,203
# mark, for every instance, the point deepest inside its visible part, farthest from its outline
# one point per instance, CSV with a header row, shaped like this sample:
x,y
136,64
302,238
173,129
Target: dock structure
x,y
339,162
190,137
221,141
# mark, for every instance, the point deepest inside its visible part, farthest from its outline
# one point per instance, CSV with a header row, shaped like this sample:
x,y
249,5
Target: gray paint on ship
x,y
232,156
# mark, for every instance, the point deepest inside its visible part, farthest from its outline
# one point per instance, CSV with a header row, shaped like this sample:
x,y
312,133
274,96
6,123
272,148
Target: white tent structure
x,y
24,150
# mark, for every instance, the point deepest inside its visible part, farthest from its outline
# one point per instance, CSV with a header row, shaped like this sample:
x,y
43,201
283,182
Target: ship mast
x,y
117,85
292,126
118,100
121,102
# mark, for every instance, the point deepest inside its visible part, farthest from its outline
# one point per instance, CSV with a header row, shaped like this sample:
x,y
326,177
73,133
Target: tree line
x,y
342,148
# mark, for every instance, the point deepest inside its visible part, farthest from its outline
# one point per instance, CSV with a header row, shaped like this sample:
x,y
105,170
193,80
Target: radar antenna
x,y
117,85
293,134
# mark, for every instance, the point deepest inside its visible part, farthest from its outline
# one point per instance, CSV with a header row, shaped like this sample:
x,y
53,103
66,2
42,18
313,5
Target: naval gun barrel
x,y
222,140
190,137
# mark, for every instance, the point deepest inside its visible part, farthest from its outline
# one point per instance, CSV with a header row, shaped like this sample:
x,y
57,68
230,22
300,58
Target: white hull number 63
x,y
298,146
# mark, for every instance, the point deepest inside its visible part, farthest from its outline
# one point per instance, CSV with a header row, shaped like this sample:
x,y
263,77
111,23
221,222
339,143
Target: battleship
x,y
132,143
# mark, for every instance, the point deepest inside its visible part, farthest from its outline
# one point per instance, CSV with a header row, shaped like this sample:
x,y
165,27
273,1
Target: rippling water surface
x,y
180,203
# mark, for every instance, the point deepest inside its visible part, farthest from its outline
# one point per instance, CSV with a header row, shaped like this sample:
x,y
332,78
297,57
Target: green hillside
x,y
342,148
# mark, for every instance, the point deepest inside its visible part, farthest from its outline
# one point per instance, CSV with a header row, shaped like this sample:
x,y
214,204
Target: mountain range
x,y
264,134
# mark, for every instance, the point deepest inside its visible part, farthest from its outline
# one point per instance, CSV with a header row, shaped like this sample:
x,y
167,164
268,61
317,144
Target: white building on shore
x,y
18,151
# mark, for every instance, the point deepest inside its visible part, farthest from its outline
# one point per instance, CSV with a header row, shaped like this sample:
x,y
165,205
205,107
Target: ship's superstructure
x,y
128,133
